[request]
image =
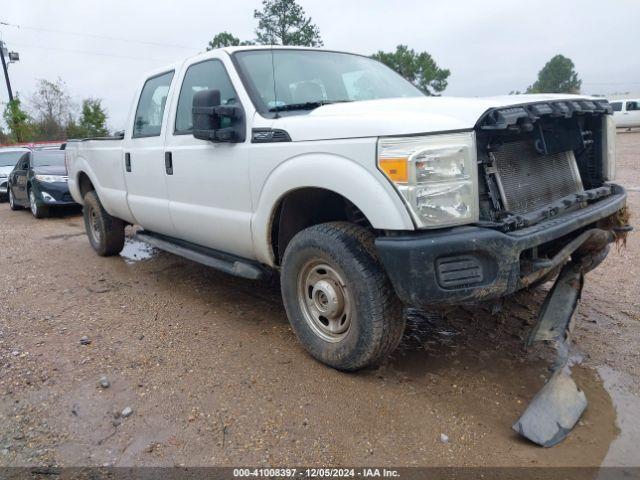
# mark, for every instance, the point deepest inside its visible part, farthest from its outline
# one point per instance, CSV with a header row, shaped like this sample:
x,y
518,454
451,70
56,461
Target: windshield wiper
x,y
305,105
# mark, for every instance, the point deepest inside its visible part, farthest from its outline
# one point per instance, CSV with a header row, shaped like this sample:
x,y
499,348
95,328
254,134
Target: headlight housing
x,y
436,175
52,178
609,149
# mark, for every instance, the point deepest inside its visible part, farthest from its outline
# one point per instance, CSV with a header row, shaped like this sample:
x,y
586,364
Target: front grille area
x,y
528,180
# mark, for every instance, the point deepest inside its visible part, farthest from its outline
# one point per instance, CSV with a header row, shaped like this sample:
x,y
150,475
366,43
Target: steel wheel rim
x,y
325,301
94,224
32,202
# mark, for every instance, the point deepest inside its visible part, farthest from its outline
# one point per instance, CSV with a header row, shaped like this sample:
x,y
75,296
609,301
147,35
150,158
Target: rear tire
x,y
106,233
338,298
38,211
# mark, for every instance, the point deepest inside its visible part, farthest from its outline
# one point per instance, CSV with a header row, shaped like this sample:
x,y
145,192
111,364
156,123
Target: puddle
x,y
136,251
623,451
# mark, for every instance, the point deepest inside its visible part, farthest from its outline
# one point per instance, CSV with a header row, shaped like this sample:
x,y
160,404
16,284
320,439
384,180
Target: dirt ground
x,y
214,375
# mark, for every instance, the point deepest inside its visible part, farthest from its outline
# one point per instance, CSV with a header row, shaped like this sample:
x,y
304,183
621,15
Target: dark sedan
x,y
39,182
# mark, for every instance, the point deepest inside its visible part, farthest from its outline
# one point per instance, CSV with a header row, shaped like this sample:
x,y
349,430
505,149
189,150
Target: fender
x,y
111,191
368,190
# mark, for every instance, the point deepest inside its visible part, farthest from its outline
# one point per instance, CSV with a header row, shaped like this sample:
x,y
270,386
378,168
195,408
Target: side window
x,y
617,106
24,162
207,75
632,106
148,119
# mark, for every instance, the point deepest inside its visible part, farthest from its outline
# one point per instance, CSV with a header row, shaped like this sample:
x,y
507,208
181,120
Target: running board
x,y
224,262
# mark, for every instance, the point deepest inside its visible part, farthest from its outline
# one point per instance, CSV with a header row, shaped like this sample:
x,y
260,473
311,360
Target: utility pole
x,y
6,71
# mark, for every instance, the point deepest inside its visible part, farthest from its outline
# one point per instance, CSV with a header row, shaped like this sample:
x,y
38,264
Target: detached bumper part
x,y
558,406
556,409
553,412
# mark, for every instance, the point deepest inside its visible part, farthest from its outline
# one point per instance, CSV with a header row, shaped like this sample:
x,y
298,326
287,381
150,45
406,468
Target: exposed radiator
x,y
529,181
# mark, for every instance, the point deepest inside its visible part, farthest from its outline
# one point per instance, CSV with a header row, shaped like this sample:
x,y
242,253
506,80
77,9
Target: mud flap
x,y
556,408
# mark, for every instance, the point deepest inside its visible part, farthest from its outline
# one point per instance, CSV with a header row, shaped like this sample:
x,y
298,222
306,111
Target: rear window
x,y
617,106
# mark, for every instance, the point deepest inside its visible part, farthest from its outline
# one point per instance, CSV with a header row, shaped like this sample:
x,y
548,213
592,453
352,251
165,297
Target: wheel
x,y
339,300
12,202
38,211
106,233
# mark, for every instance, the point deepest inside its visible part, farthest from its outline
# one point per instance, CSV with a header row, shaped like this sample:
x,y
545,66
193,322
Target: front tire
x,y
12,202
38,211
338,298
106,233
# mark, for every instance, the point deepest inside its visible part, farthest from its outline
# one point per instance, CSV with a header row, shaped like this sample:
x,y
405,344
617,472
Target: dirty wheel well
x,y
84,184
305,207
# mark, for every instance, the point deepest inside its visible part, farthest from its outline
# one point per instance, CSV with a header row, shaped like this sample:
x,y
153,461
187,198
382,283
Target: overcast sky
x,y
491,47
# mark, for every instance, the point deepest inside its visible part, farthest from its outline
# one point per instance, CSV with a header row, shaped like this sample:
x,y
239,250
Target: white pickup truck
x,y
363,194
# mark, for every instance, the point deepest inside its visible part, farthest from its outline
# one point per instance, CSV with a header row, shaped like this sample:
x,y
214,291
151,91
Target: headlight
x,y
437,176
51,178
609,149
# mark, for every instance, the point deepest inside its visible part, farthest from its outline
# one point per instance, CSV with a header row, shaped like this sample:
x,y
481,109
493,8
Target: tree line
x,y
52,115
280,22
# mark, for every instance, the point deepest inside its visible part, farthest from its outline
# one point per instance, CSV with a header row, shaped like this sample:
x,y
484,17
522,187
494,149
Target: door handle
x,y
168,163
127,162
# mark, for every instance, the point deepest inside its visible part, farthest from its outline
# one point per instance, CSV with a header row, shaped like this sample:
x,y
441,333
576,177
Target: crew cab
x,y
362,194
626,113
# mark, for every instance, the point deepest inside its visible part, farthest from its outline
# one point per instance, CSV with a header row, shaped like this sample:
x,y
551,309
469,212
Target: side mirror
x,y
215,122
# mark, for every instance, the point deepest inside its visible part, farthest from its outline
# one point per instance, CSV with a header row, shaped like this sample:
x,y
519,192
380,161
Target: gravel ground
x,y
149,359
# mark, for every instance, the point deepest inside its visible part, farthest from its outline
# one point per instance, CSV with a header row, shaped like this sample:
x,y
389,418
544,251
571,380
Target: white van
x,y
626,113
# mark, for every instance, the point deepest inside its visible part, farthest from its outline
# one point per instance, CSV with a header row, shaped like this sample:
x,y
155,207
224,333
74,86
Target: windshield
x,y
306,79
48,158
9,159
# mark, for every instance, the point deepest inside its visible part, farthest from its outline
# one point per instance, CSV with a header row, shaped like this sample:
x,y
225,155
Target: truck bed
x,y
101,162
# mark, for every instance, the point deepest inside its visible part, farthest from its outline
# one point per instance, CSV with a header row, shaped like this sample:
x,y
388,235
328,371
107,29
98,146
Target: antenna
x,y
273,71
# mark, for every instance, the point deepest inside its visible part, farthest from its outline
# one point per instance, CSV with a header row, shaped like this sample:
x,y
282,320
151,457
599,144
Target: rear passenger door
x,y
208,184
143,161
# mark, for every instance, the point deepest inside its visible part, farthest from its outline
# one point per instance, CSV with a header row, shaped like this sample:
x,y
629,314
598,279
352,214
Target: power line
x,y
103,37
87,52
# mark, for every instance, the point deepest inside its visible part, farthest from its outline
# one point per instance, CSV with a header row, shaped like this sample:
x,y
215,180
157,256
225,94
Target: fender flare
x,y
370,191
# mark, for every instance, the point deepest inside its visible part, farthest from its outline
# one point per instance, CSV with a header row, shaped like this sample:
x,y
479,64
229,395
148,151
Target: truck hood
x,y
399,116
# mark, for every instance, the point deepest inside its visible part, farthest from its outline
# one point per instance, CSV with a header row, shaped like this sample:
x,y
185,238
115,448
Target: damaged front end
x,y
548,208
540,162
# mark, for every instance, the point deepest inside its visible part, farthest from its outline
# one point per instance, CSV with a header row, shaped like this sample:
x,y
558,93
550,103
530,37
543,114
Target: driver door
x,y
208,183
